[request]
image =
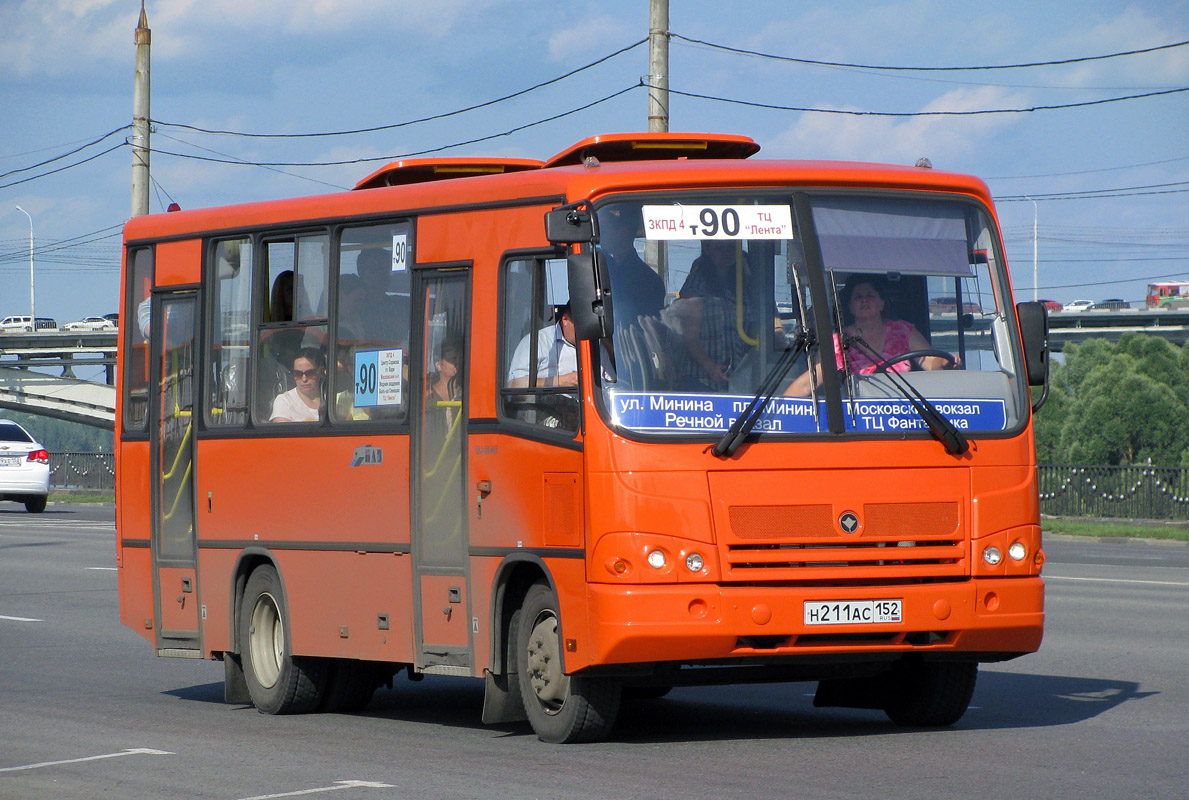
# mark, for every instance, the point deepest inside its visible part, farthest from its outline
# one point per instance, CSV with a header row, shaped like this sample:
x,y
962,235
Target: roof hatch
x,y
423,170
656,147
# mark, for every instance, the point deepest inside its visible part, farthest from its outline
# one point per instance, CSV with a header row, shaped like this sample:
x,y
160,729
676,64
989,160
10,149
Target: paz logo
x,y
848,521
366,454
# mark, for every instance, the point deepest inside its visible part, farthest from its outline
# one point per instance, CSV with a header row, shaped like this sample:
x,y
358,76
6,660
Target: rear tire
x,y
278,682
930,694
561,708
35,504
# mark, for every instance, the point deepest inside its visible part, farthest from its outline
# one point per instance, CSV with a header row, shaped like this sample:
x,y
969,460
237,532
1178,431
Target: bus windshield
x,y
709,291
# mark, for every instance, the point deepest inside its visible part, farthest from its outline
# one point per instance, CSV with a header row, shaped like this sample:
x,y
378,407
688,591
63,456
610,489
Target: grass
x,y
1117,529
81,496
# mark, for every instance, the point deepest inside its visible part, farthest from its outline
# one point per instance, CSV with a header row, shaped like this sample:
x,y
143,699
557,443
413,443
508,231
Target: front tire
x,y
278,682
561,708
930,694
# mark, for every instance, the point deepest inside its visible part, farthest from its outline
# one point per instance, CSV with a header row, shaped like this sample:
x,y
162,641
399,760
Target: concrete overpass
x,y
27,361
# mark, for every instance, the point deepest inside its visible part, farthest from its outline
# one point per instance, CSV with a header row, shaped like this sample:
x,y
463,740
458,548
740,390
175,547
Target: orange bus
x,y
587,429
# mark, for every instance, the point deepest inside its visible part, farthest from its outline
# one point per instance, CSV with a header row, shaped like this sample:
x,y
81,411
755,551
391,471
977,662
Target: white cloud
x,y
897,139
590,35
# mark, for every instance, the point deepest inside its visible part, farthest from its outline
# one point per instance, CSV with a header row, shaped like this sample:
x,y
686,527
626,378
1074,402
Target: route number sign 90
x,y
717,222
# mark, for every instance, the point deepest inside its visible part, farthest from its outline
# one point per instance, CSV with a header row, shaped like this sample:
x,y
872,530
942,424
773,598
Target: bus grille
x,y
895,542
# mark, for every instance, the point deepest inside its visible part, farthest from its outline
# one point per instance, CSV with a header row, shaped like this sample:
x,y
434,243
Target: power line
x,y
63,169
394,125
489,137
1088,171
976,112
64,155
774,57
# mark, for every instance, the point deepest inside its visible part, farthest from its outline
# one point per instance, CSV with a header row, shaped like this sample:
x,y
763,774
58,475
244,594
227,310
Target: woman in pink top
x,y
863,297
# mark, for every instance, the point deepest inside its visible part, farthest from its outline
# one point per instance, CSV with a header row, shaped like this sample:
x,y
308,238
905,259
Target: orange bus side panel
x,y
178,263
135,580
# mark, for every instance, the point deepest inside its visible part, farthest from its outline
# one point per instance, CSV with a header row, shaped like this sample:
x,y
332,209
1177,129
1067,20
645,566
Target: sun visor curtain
x,y
890,235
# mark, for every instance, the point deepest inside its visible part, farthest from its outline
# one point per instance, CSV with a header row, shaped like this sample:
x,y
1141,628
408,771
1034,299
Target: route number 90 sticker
x,y
717,222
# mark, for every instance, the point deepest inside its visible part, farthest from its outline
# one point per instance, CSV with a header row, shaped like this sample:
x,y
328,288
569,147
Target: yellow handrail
x,y
739,296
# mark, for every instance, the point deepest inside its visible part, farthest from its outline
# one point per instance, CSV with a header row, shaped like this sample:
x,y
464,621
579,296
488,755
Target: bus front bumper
x,y
986,619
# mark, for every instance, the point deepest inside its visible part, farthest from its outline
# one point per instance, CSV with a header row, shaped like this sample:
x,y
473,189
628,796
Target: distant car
x,y
1051,305
948,305
47,324
1078,305
90,324
17,323
24,468
114,318
1112,304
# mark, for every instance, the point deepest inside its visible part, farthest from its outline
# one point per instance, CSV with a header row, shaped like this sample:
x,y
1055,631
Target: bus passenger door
x,y
439,540
174,543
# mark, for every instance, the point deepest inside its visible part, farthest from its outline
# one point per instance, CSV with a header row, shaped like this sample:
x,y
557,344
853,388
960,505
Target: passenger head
x,y
447,358
566,320
375,268
281,300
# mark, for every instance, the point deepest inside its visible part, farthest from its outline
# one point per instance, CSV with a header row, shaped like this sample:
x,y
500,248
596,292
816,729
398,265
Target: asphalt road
x,y
86,710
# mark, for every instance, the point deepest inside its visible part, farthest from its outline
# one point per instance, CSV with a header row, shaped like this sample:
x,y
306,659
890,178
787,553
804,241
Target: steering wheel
x,y
912,354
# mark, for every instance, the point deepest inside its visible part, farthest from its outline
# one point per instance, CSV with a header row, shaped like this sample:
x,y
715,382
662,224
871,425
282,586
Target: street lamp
x,y
32,307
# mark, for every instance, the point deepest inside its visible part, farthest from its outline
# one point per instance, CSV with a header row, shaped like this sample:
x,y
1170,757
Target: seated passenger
x,y
863,297
302,403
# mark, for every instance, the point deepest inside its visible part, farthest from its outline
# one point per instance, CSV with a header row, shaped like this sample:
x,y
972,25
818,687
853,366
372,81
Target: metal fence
x,y
1142,492
83,471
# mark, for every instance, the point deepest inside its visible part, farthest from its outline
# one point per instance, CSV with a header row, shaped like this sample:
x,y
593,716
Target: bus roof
x,y
626,162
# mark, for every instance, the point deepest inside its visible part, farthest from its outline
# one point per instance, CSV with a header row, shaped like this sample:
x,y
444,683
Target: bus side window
x,y
229,345
372,324
538,356
136,366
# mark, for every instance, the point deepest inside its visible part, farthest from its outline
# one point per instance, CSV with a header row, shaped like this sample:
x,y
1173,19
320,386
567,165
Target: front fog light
x,y
693,562
1017,551
656,559
992,555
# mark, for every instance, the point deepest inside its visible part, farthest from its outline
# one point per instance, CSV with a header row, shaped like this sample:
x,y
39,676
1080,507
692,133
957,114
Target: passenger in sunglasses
x,y
302,403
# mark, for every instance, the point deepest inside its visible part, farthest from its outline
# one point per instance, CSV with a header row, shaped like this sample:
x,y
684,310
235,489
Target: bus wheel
x,y
278,682
561,708
930,694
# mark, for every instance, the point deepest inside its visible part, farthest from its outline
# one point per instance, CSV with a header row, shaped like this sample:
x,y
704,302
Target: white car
x,y
1078,305
24,468
90,324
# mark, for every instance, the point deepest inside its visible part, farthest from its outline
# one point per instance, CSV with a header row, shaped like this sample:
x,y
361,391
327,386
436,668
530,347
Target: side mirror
x,y
590,298
568,225
1034,331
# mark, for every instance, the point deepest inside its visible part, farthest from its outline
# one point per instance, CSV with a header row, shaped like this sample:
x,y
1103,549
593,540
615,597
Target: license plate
x,y
852,612
10,461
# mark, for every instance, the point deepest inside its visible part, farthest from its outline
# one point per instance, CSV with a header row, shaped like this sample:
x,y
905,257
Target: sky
x,y
1109,181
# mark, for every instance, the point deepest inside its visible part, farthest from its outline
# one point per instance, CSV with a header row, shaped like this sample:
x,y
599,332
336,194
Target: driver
x,y
863,296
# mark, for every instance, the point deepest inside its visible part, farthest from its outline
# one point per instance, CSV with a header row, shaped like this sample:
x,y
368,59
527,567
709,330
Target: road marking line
x,y
105,569
20,619
135,751
1113,580
321,789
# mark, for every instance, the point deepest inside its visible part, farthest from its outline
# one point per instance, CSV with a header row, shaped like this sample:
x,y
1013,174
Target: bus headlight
x,y
693,562
992,555
1017,551
656,559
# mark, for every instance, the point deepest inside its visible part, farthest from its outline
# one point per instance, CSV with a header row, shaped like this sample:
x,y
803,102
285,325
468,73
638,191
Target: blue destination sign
x,y
714,413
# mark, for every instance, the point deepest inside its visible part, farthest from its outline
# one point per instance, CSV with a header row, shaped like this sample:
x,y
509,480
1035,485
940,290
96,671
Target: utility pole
x,y
1035,271
658,66
140,119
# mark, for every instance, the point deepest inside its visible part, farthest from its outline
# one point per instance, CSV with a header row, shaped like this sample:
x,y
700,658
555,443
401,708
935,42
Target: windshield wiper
x,y
729,443
942,429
